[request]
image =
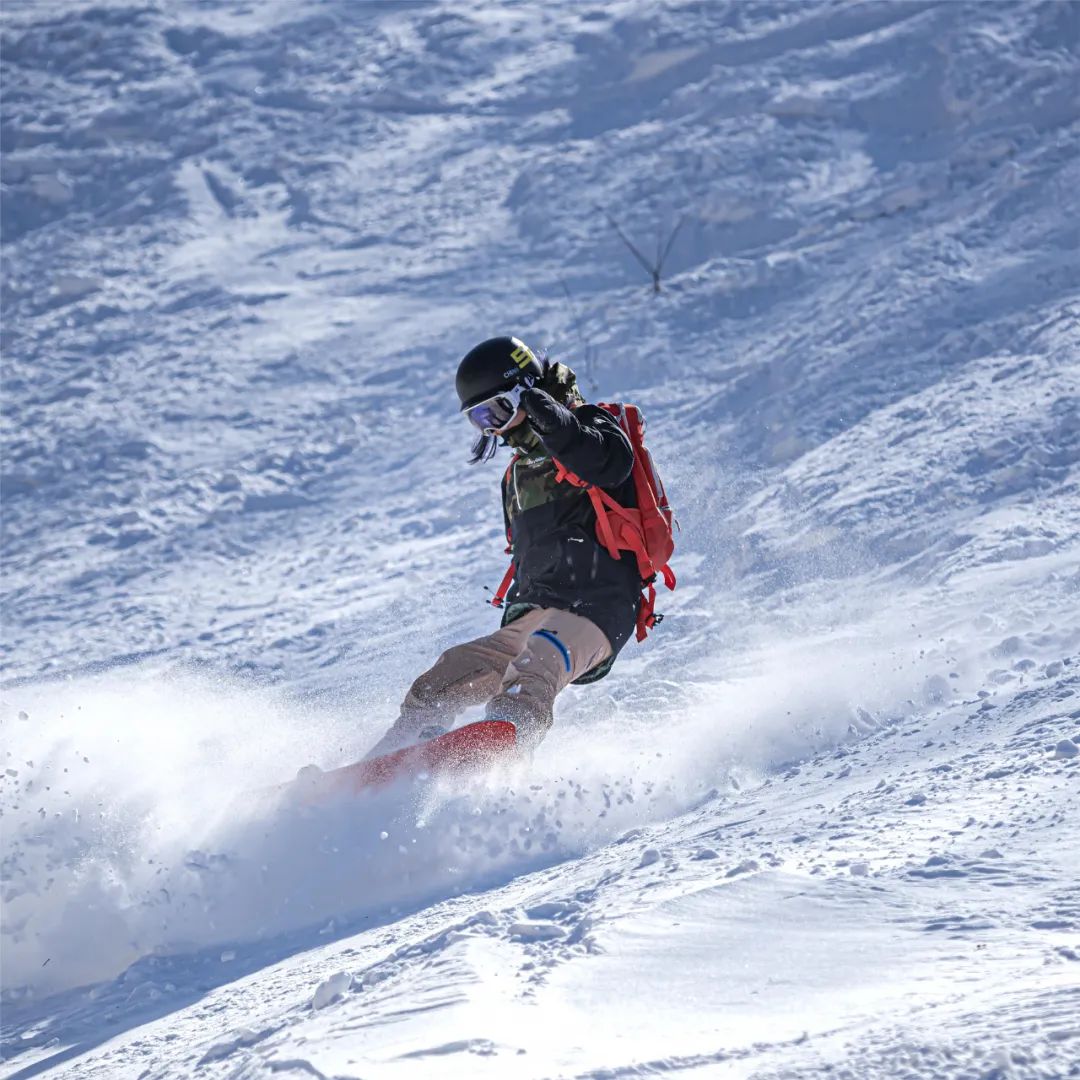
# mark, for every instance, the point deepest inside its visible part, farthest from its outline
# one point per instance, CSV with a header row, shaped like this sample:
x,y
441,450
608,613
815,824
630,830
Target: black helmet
x,y
493,366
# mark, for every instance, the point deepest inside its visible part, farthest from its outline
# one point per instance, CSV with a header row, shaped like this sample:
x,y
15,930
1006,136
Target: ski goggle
x,y
493,414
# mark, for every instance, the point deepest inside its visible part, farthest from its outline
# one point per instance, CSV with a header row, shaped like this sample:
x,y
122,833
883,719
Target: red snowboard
x,y
470,748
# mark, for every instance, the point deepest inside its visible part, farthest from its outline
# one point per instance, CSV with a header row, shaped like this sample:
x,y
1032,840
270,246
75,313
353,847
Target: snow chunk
x,y
329,990
747,866
536,931
1009,647
1066,749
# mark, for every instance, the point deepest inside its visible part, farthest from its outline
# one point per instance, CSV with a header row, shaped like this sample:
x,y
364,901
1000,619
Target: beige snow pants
x,y
517,671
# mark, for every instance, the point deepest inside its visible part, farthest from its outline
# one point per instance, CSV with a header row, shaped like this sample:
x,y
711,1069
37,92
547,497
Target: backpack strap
x,y
500,594
632,540
647,617
601,501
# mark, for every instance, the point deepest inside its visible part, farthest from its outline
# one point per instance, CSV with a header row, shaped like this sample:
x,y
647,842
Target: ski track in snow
x,y
824,822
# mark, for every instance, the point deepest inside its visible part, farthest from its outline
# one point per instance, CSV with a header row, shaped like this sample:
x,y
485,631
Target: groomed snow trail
x,y
824,820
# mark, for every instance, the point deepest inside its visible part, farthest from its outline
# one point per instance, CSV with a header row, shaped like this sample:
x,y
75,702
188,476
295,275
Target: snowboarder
x,y
572,606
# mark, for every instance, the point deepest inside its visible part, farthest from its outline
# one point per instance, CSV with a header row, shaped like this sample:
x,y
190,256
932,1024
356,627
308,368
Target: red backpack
x,y
644,530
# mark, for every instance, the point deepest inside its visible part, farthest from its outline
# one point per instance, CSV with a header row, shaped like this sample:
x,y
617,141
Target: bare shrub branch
x,y
655,268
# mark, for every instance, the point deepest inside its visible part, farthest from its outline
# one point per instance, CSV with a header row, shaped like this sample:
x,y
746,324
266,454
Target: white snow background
x,y
824,822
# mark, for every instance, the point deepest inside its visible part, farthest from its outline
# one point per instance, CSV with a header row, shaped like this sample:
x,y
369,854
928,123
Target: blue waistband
x,y
547,635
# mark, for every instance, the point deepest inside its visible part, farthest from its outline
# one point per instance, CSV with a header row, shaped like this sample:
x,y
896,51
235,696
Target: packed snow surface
x,y
824,822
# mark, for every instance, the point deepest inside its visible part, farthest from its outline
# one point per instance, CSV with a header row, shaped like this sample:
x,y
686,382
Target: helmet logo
x,y
522,355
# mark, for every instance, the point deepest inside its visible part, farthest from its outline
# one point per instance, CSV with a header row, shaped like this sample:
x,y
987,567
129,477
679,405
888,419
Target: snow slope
x,y
824,819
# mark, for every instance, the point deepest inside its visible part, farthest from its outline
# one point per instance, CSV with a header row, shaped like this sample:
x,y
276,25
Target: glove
x,y
542,410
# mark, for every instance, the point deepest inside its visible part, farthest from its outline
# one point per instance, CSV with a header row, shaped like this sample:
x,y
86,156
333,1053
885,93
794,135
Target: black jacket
x,y
558,561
